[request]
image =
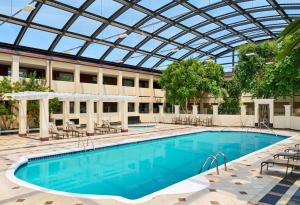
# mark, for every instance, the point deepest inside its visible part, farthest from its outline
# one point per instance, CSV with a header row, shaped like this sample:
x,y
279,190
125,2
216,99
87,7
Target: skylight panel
x,y
292,11
164,65
193,55
170,32
95,50
111,33
238,43
105,8
229,39
220,50
152,25
153,4
234,19
185,38
209,47
9,32
255,32
264,14
219,34
133,39
169,48
207,28
180,53
203,3
193,20
151,45
9,9
84,26
277,30
273,22
76,3
175,12
116,55
224,60
52,17
135,58
220,11
151,62
246,26
69,45
198,43
261,38
130,17
253,4
37,39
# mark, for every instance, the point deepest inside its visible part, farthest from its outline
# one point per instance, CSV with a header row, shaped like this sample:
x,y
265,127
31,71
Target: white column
x,y
120,84
100,81
100,112
66,109
243,115
271,105
90,117
256,115
195,110
215,114
15,68
287,114
44,119
137,84
49,74
124,116
23,118
177,111
77,78
161,113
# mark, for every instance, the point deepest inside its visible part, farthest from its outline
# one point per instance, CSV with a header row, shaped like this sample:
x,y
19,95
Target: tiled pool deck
x,y
241,184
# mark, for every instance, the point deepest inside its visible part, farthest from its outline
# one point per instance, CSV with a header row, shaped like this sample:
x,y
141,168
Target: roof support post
x,y
23,118
44,119
90,118
15,68
124,116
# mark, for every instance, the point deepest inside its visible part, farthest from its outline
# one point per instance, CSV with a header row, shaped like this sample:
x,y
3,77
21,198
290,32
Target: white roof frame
x,y
33,95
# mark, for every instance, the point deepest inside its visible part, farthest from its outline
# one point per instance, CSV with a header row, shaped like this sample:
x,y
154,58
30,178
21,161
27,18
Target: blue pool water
x,y
138,169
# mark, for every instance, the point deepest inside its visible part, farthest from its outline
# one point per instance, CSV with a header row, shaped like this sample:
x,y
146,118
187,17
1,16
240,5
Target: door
x,y
264,114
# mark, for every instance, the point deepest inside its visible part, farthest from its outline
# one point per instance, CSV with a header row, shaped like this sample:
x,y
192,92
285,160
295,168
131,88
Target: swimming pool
x,y
135,170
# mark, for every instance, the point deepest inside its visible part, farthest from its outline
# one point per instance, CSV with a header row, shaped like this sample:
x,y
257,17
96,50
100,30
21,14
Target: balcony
x,y
129,91
159,93
63,86
89,88
110,90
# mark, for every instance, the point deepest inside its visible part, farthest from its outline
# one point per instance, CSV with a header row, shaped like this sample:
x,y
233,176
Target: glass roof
x,y
147,34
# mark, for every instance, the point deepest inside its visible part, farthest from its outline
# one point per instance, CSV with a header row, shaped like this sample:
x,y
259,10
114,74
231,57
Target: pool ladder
x,y
85,143
214,159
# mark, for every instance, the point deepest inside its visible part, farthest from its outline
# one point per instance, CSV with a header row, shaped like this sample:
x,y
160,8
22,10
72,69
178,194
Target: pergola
x,y
44,97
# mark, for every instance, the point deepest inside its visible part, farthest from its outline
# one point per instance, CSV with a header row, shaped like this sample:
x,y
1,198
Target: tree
x,y
190,80
231,98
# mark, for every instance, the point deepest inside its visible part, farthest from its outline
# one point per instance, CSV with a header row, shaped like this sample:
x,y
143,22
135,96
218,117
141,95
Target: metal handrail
x,y
224,158
81,141
91,140
263,123
214,160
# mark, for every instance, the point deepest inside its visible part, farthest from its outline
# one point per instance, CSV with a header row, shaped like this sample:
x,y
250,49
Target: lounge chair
x,y
55,133
100,129
74,130
290,162
112,129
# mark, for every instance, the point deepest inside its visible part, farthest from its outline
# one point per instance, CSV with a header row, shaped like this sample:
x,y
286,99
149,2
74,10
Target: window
x,y
156,85
27,72
144,84
128,82
156,107
71,107
63,76
88,78
144,107
95,107
5,70
58,109
82,107
131,107
108,80
110,107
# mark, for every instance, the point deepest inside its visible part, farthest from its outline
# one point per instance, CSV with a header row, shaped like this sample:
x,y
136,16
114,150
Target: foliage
x,y
289,39
9,108
190,80
254,60
231,98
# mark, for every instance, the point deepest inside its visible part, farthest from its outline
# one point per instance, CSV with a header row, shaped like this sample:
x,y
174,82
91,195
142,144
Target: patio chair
x,y
100,129
290,162
112,129
74,130
55,133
